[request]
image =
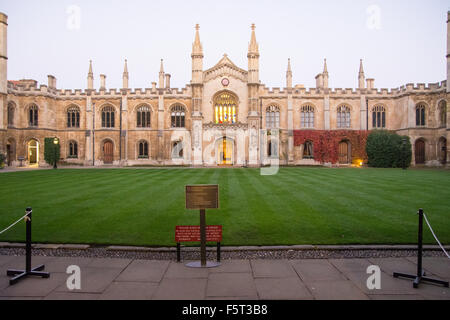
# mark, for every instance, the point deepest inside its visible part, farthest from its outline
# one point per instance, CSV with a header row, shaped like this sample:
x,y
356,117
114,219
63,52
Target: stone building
x,y
225,116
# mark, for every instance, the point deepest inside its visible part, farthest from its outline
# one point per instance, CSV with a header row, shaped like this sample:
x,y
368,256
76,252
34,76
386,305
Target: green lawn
x,y
296,206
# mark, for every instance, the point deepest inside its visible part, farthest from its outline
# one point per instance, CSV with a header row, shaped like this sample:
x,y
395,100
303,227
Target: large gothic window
x,y
308,151
443,113
272,117
379,117
343,117
143,117
307,117
33,116
108,117
73,117
225,108
178,116
420,115
11,110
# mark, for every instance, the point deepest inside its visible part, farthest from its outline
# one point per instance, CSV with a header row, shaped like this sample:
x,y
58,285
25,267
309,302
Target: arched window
x,y
379,117
143,149
73,149
225,108
177,150
73,117
178,115
420,115
343,117
11,110
307,116
108,113
33,116
272,117
143,117
443,113
308,151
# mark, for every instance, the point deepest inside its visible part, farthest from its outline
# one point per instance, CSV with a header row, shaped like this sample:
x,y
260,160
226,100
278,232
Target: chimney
x,y
370,84
102,82
319,81
51,82
167,81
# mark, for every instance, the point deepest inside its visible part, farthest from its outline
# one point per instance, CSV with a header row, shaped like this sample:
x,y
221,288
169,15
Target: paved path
x,y
234,279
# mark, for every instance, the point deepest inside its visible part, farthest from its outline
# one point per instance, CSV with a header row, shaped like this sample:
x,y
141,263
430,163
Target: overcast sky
x,y
400,41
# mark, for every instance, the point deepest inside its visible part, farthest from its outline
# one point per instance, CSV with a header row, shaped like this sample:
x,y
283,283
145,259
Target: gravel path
x,y
194,254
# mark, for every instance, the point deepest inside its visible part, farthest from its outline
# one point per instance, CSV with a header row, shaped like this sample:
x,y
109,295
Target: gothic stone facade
x,y
225,116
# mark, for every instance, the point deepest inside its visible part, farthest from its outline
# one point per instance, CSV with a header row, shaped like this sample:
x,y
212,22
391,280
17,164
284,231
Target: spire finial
x,y
197,27
90,66
162,66
361,68
125,69
325,67
253,27
253,47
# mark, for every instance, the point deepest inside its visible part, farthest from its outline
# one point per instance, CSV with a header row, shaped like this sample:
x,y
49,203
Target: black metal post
x,y
178,252
420,273
21,274
203,237
54,162
218,251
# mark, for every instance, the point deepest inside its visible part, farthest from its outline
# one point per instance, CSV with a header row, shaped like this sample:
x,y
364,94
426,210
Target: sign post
x,y
202,197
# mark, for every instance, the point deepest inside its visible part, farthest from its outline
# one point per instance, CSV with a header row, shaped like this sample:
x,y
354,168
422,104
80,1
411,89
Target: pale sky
x,y
400,41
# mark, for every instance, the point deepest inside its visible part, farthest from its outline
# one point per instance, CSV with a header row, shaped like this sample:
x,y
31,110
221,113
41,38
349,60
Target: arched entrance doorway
x,y
420,151
108,152
442,152
10,151
225,152
33,152
344,152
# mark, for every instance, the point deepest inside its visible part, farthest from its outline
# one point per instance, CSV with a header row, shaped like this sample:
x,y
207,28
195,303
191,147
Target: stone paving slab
x,y
231,285
316,270
272,269
120,279
129,291
282,289
181,289
144,271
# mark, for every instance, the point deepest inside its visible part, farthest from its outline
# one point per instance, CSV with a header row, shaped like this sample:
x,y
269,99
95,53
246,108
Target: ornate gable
x,y
225,67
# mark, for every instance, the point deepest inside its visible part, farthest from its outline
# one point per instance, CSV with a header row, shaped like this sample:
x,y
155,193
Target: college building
x,y
225,117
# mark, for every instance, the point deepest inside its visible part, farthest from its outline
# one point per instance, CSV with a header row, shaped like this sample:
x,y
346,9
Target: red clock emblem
x,y
225,82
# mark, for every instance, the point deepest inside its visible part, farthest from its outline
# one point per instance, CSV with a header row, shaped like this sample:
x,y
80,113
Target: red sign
x,y
192,234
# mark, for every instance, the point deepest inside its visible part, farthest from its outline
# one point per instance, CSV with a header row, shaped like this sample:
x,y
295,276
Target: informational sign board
x,y
192,234
202,197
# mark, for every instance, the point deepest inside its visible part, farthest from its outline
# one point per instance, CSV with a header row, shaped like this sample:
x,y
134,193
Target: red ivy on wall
x,y
326,143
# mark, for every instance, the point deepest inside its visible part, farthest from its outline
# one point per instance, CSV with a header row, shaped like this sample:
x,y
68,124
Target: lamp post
x,y
55,142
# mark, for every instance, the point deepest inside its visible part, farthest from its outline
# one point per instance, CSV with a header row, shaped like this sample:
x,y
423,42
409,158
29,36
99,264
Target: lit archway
x,y
225,108
33,152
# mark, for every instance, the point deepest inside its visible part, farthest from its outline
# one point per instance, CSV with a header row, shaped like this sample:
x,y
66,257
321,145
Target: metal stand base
x,y
21,274
198,264
418,280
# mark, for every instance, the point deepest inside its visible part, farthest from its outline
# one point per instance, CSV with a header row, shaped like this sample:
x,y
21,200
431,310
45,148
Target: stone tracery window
x,y
73,117
33,116
272,117
420,115
308,151
443,113
73,149
178,116
343,117
307,116
143,149
11,111
225,108
143,117
108,114
379,117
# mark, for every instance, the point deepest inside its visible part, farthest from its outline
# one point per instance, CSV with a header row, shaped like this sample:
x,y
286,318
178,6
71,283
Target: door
x,y
225,152
420,152
33,152
443,150
8,155
343,152
108,152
